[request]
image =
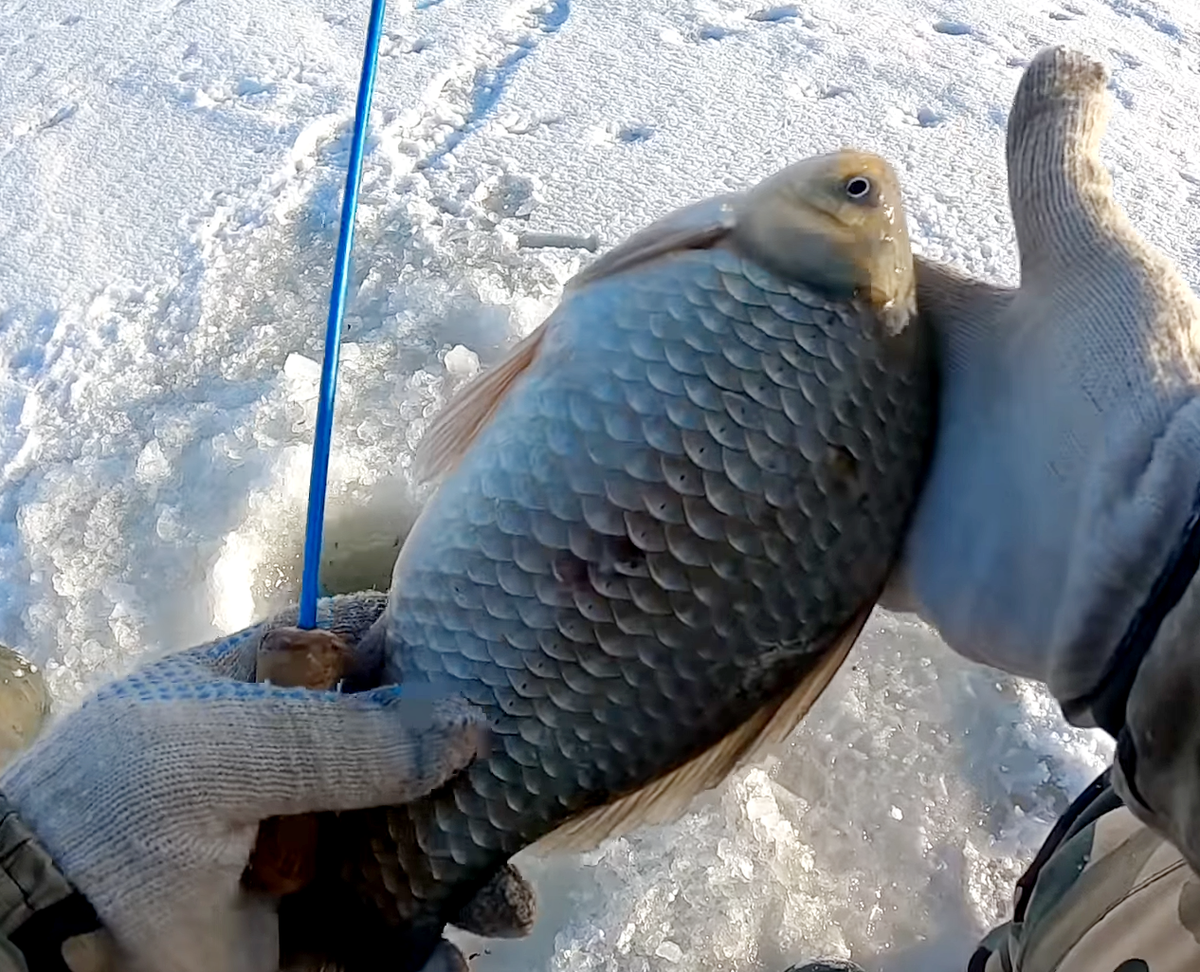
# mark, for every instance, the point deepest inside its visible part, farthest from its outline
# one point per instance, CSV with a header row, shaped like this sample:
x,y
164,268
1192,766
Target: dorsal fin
x,y
697,226
694,227
447,439
668,797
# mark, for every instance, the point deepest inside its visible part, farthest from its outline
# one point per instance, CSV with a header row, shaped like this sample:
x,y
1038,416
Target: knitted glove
x,y
1068,453
149,796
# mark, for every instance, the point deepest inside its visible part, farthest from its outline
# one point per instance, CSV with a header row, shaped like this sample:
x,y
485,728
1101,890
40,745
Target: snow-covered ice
x,y
170,172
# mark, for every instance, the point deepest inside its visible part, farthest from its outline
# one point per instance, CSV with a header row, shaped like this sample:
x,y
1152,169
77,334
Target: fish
x,y
661,523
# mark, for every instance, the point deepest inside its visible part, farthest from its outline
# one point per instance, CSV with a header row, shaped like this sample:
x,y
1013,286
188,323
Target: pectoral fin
x,y
447,440
694,227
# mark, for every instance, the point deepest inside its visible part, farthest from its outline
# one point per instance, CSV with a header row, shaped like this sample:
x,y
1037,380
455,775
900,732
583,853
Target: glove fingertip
x,y
1063,72
440,738
423,707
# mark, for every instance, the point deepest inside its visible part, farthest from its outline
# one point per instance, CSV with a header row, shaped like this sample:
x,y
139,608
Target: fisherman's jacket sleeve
x,y
27,879
40,910
10,958
1104,894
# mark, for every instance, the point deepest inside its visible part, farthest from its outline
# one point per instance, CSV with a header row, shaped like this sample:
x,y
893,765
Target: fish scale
x,y
635,554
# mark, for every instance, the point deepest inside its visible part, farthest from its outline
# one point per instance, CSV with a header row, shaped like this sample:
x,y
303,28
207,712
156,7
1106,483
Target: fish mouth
x,y
811,245
825,222
876,265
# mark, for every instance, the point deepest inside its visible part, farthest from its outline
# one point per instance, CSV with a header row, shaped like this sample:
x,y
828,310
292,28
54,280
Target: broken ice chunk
x,y
462,362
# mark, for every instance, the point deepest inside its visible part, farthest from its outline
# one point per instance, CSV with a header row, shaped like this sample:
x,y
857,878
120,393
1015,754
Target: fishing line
x,y
333,331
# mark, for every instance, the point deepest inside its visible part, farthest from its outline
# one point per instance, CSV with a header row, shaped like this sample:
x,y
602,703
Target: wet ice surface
x,y
169,185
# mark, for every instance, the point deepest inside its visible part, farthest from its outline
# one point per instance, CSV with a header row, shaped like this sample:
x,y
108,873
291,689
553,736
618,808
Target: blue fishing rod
x,y
333,332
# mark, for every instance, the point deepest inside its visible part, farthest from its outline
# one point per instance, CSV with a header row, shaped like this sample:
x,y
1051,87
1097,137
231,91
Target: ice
x,y
461,362
169,184
304,372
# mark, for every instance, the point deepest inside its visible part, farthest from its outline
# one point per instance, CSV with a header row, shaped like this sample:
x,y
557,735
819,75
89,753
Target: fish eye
x,y
858,188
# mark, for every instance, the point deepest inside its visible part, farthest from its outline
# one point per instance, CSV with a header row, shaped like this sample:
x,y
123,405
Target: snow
x,y
170,173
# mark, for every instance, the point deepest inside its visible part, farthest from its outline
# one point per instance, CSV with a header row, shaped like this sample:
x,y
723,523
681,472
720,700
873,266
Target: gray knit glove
x,y
149,796
1068,454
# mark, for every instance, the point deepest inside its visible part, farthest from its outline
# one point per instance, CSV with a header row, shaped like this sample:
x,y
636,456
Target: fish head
x,y
835,223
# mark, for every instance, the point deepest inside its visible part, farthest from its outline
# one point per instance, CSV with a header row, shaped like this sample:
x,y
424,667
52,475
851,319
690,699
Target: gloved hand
x,y
1068,455
149,796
